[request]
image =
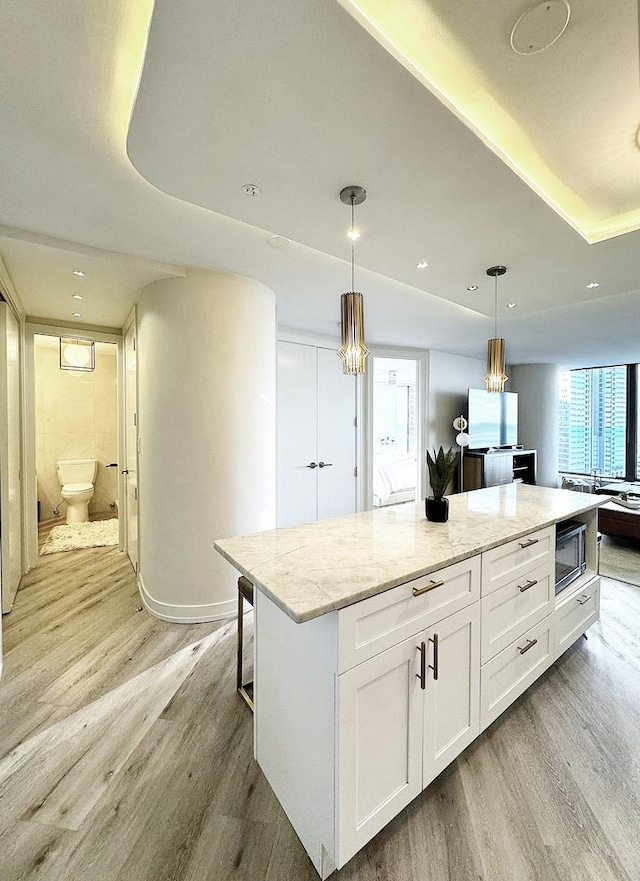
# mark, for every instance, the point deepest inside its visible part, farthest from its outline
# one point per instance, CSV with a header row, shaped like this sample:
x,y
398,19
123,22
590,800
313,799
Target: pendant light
x,y
496,377
353,350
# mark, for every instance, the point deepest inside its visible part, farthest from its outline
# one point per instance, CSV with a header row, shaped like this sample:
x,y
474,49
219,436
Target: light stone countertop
x,y
316,568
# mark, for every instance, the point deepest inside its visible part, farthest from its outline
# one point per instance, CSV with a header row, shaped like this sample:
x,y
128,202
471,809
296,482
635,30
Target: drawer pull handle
x,y
418,591
530,644
527,544
583,599
436,655
523,587
422,675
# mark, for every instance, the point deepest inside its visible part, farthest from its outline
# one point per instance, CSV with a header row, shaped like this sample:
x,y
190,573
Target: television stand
x,y
499,466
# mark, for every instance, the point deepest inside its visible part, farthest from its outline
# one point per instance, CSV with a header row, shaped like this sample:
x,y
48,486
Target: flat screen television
x,y
493,419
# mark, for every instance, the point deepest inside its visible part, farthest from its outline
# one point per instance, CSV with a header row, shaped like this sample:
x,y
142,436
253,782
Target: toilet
x,y
77,478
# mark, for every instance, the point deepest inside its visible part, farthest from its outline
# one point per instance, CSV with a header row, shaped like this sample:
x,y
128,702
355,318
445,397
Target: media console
x,y
498,467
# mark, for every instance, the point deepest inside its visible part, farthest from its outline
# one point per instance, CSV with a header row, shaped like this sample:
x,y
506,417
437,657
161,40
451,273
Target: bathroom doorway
x,y
75,421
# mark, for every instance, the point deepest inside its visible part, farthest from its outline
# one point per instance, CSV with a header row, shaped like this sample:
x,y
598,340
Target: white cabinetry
x,y
380,744
316,429
451,706
359,709
403,716
575,613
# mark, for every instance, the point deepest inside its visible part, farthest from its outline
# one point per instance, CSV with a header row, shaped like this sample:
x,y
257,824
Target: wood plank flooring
x,y
125,755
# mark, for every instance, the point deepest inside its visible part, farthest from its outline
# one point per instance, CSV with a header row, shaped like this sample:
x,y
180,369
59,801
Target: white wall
x,y
450,377
537,387
207,387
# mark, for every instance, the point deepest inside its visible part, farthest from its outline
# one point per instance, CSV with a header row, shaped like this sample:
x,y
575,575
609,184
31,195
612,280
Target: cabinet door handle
x,y
422,675
418,591
436,655
527,544
530,583
583,599
530,644
325,464
312,465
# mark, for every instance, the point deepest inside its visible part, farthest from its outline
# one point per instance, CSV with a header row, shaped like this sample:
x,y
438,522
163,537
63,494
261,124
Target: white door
x,y
297,434
379,743
316,435
10,497
130,470
336,474
452,701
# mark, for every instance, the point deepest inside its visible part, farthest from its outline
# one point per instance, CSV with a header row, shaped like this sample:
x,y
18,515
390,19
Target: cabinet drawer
x,y
515,607
513,670
575,614
517,558
375,624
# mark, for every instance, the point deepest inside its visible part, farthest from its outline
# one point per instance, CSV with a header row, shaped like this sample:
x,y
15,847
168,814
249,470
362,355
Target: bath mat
x,y
74,536
620,559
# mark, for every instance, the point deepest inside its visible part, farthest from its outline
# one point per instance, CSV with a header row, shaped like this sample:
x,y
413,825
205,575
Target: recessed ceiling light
x,y
593,284
251,190
79,273
422,265
77,314
511,305
472,287
279,242
77,296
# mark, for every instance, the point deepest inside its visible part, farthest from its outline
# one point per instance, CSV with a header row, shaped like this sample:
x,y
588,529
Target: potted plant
x,y
442,467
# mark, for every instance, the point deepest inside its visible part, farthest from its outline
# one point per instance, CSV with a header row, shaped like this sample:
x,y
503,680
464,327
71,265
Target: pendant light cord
x,y
495,332
353,244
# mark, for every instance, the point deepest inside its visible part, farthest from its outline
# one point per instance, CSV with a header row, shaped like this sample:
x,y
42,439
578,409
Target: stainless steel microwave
x,y
570,553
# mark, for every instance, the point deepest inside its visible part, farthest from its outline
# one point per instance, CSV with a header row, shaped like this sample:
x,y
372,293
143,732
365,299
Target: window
x,y
596,407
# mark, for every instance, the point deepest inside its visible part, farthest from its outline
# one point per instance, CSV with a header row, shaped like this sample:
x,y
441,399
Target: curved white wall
x,y
206,411
537,387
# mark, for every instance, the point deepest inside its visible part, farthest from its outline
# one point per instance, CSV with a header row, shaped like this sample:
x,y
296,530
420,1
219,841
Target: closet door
x,y
336,437
297,434
316,435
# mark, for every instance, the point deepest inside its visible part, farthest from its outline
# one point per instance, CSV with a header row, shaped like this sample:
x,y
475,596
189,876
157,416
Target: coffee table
x,y
614,519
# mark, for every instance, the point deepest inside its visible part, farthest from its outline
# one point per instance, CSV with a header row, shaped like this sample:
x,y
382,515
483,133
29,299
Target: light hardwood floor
x,y
127,756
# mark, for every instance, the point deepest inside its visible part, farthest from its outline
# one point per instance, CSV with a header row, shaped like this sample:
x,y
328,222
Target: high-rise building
x,y
593,421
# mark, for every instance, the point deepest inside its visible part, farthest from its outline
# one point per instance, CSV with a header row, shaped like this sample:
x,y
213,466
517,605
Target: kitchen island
x,y
385,644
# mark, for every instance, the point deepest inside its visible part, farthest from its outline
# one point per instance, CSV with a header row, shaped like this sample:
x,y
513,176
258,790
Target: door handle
x,y
111,465
422,675
312,465
436,655
325,464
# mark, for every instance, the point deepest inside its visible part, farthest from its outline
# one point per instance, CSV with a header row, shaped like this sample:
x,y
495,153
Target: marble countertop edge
x,y
317,602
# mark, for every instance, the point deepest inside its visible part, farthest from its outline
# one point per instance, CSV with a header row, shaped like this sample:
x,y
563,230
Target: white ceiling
x,y
296,97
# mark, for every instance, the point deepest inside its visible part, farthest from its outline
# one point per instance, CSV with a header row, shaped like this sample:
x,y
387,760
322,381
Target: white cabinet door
x,y
297,434
379,744
316,435
336,437
452,700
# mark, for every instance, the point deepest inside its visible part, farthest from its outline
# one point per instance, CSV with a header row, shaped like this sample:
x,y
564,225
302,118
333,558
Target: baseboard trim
x,y
185,614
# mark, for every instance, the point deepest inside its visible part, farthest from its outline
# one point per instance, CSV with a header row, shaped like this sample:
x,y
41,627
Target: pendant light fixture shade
x,y
353,350
496,376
